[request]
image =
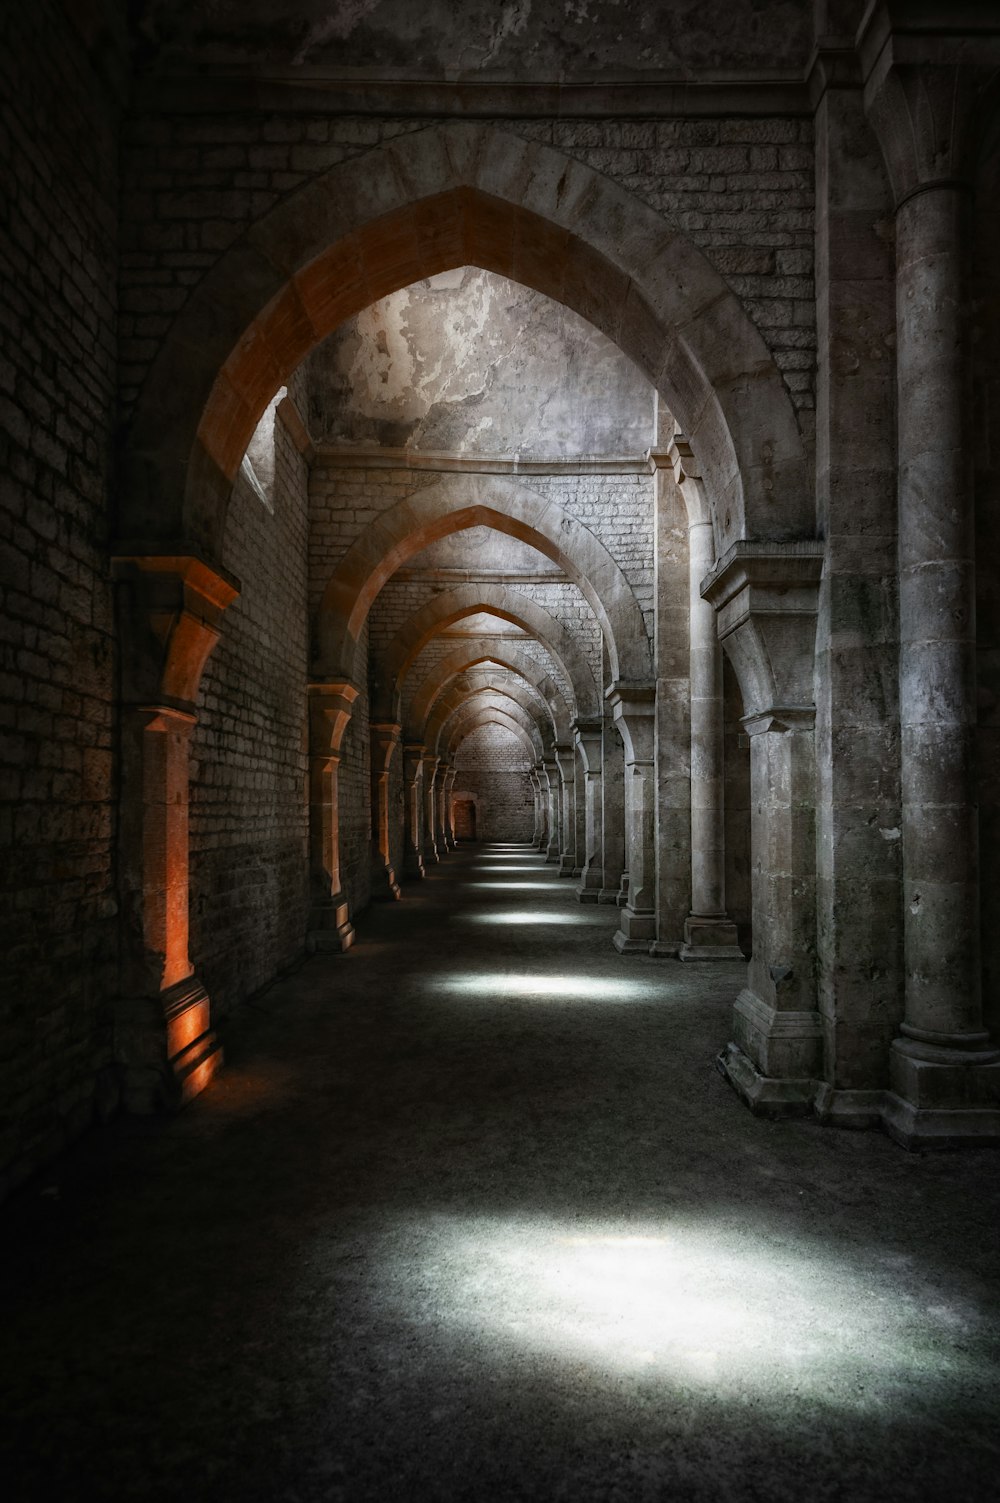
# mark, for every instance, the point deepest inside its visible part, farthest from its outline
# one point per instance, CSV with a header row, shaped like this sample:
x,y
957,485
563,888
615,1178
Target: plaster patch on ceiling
x,y
335,27
470,362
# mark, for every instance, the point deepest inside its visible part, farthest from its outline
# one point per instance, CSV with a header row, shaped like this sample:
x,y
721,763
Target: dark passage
x,y
469,1215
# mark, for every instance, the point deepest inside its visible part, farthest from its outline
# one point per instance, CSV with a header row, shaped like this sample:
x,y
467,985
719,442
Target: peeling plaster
x,y
471,362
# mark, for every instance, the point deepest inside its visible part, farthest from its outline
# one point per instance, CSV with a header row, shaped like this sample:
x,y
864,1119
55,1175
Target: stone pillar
x,y
413,786
432,826
538,829
858,818
447,815
671,656
589,743
384,741
550,772
634,707
944,1072
170,610
765,597
612,814
709,933
939,1092
566,763
579,813
330,708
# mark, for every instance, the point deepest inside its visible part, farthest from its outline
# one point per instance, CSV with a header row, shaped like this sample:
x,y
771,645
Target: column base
x,y
665,949
785,1044
414,869
949,1101
585,894
567,867
330,941
608,896
330,931
385,888
765,1095
165,1051
636,932
710,939
836,1107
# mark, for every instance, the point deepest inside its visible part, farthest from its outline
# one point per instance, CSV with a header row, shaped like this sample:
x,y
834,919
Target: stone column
x,y
942,1034
413,785
538,827
765,596
589,742
709,933
672,659
169,613
330,708
944,1072
612,814
579,813
566,763
447,818
634,707
384,740
858,855
432,827
550,773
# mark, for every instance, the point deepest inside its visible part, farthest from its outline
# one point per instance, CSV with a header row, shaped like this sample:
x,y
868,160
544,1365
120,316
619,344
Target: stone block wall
x,y
58,226
249,807
616,507
492,766
741,189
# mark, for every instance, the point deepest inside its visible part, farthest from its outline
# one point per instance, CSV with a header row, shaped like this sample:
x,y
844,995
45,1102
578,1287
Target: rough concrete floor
x,y
471,1215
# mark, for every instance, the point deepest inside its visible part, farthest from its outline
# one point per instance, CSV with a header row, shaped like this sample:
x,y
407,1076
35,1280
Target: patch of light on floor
x,y
510,886
521,916
499,984
736,1311
503,867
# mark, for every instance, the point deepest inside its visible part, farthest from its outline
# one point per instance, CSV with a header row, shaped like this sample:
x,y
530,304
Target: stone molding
x,y
766,600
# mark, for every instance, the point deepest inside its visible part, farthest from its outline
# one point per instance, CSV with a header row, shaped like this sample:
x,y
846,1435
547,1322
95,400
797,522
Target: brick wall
x,y
493,766
249,810
59,146
741,189
617,508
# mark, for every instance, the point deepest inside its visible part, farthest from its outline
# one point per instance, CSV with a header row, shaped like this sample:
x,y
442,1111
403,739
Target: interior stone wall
x,y
59,114
492,765
741,189
249,809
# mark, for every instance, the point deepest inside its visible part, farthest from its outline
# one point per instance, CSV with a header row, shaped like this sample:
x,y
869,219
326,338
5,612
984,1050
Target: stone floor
x,y
471,1215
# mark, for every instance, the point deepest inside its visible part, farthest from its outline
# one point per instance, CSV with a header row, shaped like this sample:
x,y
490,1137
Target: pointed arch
x,y
493,717
469,655
503,601
452,706
454,503
463,193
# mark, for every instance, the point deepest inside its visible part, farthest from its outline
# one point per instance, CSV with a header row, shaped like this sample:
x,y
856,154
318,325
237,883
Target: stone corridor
x,y
470,1215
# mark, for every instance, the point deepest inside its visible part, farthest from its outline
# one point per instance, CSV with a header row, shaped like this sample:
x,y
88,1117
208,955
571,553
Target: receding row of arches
x,y
618,711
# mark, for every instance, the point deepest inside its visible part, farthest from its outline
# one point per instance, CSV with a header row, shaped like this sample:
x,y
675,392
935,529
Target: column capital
x,y
331,705
634,708
924,83
171,614
766,597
